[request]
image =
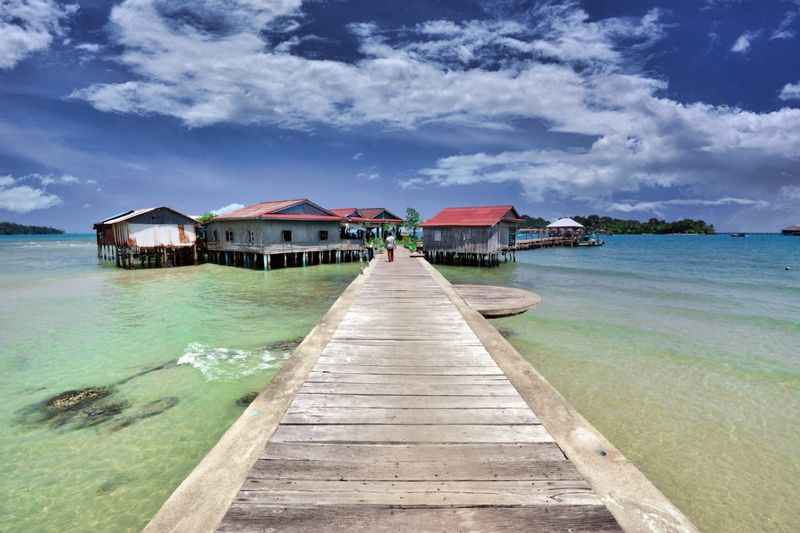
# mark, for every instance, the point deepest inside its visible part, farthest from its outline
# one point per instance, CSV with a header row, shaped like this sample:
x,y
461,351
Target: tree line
x,y
10,228
597,223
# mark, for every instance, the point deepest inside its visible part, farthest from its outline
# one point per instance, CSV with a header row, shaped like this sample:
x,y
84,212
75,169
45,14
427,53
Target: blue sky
x,y
631,108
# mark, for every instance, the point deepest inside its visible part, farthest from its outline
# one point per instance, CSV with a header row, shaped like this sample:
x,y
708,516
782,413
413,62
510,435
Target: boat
x,y
738,234
591,241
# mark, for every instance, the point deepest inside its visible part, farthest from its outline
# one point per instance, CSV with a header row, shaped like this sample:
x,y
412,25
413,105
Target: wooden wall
x,y
269,233
468,240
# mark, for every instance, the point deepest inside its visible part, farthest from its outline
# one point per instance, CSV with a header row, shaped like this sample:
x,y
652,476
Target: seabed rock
x,y
75,399
148,410
246,399
284,346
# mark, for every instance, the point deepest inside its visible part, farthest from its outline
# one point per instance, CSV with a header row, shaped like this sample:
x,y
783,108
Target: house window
x,y
437,235
228,235
251,237
216,236
323,235
287,235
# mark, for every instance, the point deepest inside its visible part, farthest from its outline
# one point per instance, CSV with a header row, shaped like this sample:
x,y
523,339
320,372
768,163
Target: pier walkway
x,y
405,411
406,423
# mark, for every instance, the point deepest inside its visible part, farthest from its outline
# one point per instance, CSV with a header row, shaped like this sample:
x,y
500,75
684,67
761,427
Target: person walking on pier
x,y
390,247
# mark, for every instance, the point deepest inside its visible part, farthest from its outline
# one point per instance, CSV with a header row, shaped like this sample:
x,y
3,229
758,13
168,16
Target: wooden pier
x,y
405,411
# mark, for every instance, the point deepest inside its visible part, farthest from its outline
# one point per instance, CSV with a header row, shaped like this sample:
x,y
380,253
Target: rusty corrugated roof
x,y
487,215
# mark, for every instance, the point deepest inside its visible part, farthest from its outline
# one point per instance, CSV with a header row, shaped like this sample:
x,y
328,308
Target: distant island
x,y
10,228
596,223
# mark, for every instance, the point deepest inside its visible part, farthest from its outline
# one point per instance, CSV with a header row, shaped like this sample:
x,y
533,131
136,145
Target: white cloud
x,y
745,41
659,205
91,48
28,26
556,67
790,91
358,156
50,179
784,29
790,192
369,175
23,198
227,209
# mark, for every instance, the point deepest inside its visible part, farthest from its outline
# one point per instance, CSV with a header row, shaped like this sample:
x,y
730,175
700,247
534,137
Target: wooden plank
x,y
411,433
256,518
409,370
403,453
409,389
360,415
406,402
418,471
409,360
416,493
317,376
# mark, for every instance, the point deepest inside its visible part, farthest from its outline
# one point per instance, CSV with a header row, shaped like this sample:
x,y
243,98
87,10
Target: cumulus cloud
x,y
28,26
745,41
790,91
555,66
24,198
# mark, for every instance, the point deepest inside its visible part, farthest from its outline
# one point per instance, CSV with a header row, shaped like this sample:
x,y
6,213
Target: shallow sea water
x,y
176,347
685,352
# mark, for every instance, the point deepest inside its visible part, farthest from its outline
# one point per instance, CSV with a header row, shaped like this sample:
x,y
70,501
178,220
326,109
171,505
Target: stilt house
x,y
364,223
279,234
472,235
142,238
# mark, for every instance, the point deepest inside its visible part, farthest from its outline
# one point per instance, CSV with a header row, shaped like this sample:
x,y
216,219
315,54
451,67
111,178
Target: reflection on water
x,y
168,357
683,351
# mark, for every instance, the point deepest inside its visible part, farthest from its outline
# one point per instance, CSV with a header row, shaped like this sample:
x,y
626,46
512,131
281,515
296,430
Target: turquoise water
x,y
174,349
685,352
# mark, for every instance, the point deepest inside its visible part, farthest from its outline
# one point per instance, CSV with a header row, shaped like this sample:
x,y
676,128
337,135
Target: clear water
x,y
685,352
178,347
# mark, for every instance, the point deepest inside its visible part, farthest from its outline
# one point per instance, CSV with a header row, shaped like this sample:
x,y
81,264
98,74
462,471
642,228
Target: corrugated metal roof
x,y
367,214
127,215
487,215
344,211
135,213
273,210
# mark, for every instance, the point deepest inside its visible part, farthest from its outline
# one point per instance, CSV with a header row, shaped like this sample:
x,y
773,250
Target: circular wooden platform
x,y
496,302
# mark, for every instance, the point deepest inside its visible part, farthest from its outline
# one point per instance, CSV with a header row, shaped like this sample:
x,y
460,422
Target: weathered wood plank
x,y
256,518
416,493
360,415
411,433
409,389
406,402
404,453
409,370
418,471
317,376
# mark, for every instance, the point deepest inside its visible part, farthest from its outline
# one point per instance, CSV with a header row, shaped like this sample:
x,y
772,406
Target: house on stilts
x,y
477,236
145,238
278,234
365,223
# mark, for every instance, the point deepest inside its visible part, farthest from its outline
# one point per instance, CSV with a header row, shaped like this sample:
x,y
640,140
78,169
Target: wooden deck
x,y
406,423
496,302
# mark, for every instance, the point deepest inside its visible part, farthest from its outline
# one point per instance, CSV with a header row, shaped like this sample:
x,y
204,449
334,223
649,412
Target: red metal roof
x,y
344,211
272,210
487,215
367,214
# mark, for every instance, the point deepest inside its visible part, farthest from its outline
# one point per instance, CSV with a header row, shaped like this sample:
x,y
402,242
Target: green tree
x,y
205,218
412,221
